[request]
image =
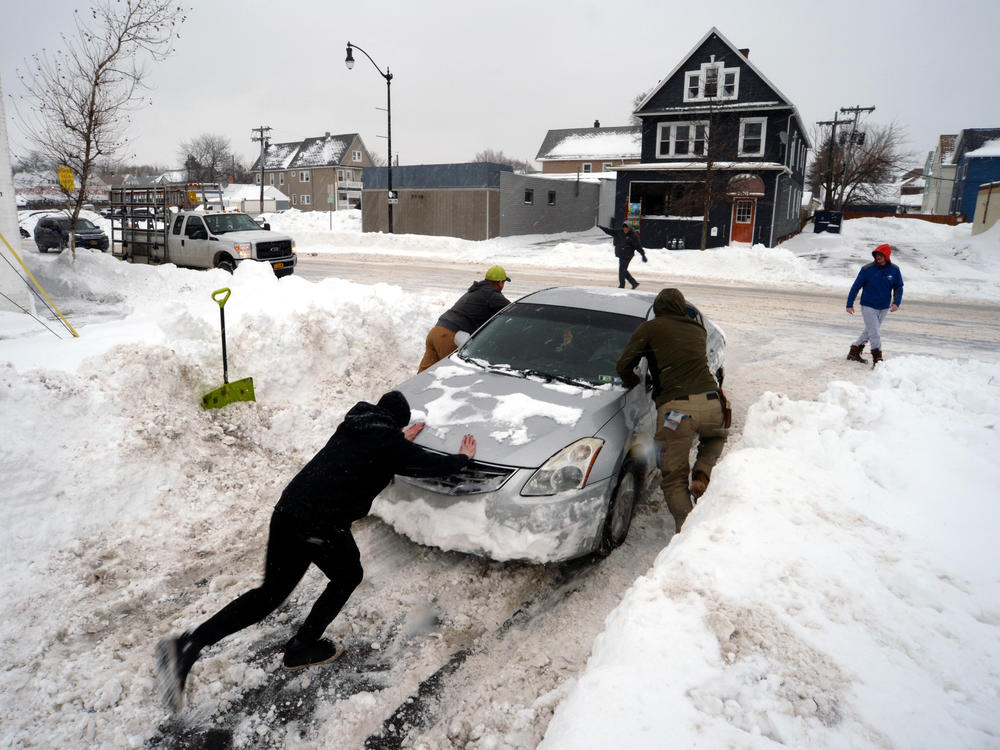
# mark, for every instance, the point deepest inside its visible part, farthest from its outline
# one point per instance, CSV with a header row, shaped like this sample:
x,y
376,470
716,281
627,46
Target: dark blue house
x,y
718,140
977,162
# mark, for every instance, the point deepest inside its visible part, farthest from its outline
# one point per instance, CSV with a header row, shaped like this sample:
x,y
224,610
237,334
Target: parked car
x,y
53,231
564,449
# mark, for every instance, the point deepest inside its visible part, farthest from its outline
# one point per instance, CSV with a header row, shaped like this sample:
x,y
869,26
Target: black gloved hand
x,y
645,259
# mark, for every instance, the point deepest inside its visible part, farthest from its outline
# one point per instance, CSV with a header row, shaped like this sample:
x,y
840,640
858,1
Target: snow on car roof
x,y
608,299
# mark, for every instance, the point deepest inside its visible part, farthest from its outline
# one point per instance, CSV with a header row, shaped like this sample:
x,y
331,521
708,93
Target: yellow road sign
x,y
66,178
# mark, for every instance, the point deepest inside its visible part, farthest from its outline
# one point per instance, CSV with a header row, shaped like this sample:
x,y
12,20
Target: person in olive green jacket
x,y
686,395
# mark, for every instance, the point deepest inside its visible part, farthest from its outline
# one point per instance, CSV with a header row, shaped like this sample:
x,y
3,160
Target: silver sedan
x,y
564,452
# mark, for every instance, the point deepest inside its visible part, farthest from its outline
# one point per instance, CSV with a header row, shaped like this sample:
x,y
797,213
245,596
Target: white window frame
x,y
671,153
695,79
306,200
587,167
304,176
295,199
356,156
606,166
744,121
281,178
270,178
256,178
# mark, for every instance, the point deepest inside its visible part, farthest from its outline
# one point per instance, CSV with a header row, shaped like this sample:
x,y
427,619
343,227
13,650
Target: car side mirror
x,y
267,227
461,337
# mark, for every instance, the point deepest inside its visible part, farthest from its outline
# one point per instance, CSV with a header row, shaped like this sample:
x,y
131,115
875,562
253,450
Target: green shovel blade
x,y
238,390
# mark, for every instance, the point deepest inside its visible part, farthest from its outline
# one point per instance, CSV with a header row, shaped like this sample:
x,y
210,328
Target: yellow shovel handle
x,y
224,293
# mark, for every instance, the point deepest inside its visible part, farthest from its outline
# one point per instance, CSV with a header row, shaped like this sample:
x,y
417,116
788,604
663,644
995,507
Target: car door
x,y
197,251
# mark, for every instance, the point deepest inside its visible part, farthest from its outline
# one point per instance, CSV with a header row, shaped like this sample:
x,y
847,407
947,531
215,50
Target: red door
x,y
743,216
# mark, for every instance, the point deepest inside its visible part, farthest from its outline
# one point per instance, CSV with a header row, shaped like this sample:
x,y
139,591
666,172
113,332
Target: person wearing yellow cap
x,y
482,301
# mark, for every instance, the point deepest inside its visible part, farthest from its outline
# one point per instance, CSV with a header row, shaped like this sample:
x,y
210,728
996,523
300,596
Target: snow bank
x,y
836,587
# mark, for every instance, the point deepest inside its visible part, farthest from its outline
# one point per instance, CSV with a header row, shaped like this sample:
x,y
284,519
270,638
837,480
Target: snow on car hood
x,y
517,421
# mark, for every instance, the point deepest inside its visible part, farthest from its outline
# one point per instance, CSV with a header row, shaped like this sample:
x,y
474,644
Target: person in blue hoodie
x,y
311,525
881,285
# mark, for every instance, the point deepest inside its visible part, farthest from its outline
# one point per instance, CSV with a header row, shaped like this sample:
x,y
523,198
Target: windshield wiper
x,y
548,376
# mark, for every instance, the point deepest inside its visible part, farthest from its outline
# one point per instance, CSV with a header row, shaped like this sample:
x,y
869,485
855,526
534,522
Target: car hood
x,y
255,235
516,421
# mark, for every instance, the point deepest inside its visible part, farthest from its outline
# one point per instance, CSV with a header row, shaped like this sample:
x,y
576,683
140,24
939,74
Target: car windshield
x,y
222,223
561,343
81,223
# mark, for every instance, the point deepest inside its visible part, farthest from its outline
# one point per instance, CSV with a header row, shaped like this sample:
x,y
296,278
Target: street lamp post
x,y
349,62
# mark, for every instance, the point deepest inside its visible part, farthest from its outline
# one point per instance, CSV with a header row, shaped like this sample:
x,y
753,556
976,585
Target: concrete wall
x,y
466,213
557,206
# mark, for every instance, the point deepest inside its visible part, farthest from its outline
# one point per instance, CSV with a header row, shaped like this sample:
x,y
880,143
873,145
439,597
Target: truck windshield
x,y
222,223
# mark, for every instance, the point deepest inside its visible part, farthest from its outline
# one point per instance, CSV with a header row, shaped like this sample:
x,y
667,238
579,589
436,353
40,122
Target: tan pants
x,y
439,344
702,419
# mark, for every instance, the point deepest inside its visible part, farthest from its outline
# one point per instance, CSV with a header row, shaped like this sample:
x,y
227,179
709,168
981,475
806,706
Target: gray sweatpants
x,y
873,326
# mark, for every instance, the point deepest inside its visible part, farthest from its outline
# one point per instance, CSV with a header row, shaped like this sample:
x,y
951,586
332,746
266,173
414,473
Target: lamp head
x,y
349,61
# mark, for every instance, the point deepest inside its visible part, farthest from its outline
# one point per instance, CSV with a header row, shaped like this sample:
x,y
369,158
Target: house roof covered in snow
x,y
592,143
322,151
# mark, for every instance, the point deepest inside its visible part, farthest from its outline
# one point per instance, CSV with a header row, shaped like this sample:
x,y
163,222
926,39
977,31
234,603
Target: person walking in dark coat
x,y
311,524
626,246
881,287
688,398
482,301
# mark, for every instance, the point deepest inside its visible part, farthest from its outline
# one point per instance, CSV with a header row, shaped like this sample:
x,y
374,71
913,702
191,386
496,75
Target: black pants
x,y
623,274
289,554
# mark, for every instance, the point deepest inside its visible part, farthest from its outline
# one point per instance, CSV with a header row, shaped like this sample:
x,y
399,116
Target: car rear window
x,y
565,342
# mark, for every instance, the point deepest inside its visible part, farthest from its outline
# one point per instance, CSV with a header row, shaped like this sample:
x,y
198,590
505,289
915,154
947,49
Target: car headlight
x,y
293,247
566,470
243,249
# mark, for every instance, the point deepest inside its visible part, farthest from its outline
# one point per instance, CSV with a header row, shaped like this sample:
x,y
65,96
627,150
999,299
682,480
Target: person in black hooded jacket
x,y
311,524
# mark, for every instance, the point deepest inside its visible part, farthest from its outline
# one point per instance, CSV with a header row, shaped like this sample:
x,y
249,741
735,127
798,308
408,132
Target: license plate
x,y
279,265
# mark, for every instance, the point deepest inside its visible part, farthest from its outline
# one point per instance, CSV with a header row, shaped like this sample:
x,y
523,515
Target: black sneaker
x,y
174,659
300,655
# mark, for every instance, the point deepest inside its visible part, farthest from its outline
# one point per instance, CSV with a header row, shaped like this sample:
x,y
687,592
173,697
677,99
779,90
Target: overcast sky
x,y
468,76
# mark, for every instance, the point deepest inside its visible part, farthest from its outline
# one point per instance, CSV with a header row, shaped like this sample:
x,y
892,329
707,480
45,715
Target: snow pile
x,y
836,587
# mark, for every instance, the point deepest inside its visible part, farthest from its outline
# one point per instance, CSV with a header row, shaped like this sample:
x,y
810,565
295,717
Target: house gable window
x,y
681,139
303,177
752,133
712,80
356,155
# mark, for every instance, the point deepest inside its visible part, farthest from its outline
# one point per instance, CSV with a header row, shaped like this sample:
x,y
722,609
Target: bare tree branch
x,y
78,100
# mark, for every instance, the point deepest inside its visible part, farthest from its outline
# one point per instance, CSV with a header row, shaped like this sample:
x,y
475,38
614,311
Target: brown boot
x,y
855,354
876,356
699,483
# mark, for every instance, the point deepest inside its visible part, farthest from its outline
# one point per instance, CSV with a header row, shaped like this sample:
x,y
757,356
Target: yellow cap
x,y
496,273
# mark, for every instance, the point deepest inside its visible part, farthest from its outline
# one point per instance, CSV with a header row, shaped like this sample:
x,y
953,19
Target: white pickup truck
x,y
200,239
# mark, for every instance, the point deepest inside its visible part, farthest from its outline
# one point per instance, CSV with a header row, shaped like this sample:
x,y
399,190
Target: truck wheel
x,y
226,264
620,509
41,248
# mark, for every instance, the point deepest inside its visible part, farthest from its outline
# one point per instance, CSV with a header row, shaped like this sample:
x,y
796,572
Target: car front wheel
x,y
620,509
226,263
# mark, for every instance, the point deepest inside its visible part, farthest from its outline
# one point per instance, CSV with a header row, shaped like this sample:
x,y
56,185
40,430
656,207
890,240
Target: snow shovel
x,y
241,390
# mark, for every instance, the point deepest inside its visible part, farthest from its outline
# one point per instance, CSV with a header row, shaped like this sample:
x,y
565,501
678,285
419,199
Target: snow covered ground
x,y
837,586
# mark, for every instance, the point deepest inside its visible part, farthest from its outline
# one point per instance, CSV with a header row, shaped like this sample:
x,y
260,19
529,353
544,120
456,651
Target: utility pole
x,y
854,137
828,199
262,138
